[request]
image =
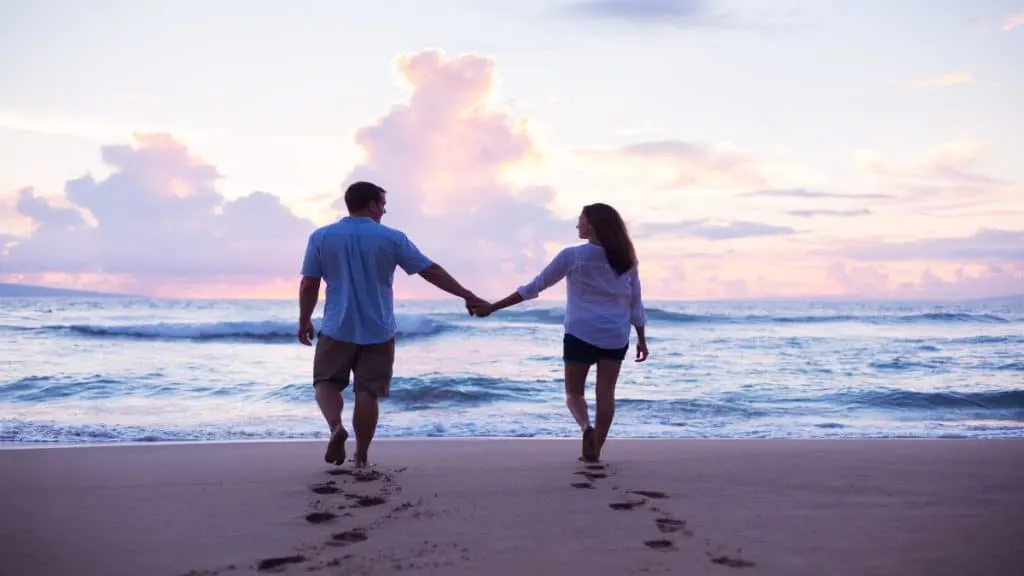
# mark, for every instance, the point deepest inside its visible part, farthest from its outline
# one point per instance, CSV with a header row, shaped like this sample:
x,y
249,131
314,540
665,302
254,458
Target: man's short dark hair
x,y
360,195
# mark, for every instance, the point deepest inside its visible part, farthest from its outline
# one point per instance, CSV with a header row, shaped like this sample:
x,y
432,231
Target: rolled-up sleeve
x,y
311,265
409,257
637,313
552,273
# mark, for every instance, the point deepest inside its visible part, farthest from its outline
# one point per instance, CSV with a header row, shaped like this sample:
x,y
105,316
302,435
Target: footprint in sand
x,y
358,475
328,487
591,475
731,562
367,501
659,544
349,537
271,563
367,476
656,494
320,517
583,485
627,505
669,525
594,466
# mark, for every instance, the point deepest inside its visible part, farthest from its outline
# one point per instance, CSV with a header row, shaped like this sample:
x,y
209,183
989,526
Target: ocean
x,y
107,370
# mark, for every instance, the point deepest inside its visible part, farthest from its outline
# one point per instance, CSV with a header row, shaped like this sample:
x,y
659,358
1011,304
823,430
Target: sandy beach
x,y
518,507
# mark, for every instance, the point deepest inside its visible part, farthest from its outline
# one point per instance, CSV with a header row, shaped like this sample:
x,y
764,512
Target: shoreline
x,y
16,446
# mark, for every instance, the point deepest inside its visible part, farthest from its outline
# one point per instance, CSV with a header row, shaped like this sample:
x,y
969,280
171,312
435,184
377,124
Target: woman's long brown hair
x,y
610,232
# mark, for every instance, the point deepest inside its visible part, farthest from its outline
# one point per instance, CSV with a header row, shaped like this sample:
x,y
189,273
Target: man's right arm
x,y
440,277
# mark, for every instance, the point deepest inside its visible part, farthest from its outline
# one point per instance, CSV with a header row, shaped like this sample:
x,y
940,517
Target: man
x,y
357,257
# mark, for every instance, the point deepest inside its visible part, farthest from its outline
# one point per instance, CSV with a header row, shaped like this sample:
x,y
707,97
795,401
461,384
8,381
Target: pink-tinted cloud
x,y
804,193
859,280
995,281
983,246
157,217
676,164
443,157
830,213
1012,22
713,230
963,283
157,225
950,79
949,169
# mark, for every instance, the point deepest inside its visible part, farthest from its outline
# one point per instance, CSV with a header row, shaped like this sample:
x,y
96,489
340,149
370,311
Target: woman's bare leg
x,y
575,382
607,376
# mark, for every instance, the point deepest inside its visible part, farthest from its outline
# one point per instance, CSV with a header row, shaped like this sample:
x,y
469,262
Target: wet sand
x,y
785,507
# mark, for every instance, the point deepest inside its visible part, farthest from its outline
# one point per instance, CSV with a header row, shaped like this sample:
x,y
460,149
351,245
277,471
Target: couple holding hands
x,y
356,257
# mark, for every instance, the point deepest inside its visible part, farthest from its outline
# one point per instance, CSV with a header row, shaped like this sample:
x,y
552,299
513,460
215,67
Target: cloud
x,y
951,79
713,230
1014,21
157,216
984,245
443,156
859,280
825,212
965,283
993,282
102,130
691,14
679,11
802,193
676,164
951,168
12,222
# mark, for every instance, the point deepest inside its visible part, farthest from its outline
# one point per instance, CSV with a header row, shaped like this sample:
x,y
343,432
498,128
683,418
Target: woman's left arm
x,y
638,315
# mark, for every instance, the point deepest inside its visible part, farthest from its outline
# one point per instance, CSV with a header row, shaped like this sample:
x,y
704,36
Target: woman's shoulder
x,y
575,249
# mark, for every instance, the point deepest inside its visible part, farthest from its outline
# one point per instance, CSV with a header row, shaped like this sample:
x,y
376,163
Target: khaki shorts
x,y
371,364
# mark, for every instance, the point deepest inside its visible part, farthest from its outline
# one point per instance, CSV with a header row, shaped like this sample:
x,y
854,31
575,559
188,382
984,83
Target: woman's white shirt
x,y
601,305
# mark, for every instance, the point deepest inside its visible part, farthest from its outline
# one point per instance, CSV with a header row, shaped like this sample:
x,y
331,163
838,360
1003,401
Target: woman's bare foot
x,y
589,445
361,461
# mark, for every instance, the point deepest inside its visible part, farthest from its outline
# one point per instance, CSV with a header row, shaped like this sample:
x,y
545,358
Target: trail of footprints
x,y
665,523
342,501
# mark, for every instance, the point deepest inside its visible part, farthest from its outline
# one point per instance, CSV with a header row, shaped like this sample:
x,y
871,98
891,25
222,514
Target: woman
x,y
603,300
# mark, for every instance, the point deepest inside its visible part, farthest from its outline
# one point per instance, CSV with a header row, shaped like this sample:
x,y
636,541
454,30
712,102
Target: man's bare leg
x,y
364,422
607,376
328,398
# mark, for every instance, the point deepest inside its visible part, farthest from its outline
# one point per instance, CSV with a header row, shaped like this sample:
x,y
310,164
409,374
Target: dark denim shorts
x,y
576,351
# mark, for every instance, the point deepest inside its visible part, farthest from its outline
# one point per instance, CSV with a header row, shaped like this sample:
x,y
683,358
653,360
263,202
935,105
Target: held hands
x,y
477,306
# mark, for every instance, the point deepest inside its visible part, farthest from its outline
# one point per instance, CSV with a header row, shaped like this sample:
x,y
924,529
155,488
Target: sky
x,y
768,149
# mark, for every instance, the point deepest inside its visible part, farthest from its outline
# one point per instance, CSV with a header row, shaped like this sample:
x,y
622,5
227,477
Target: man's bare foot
x,y
336,447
